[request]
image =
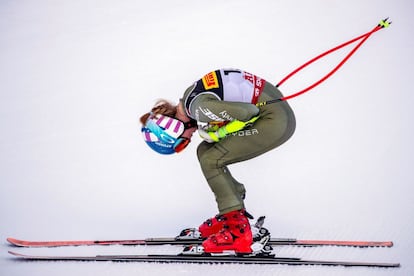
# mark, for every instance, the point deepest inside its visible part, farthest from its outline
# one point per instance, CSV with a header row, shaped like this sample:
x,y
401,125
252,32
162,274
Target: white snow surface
x,y
76,75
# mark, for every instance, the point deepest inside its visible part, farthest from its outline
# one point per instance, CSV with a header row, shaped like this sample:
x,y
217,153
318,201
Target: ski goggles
x,y
163,134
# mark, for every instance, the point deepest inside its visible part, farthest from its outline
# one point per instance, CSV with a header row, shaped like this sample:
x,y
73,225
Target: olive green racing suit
x,y
275,125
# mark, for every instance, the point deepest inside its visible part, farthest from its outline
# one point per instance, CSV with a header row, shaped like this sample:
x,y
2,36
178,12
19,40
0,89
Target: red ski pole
x,y
383,24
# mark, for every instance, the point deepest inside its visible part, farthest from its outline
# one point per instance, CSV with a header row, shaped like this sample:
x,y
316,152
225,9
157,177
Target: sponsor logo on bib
x,y
210,80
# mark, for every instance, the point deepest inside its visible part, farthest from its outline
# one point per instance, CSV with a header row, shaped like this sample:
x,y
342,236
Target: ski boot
x,y
211,226
207,228
236,235
214,225
260,246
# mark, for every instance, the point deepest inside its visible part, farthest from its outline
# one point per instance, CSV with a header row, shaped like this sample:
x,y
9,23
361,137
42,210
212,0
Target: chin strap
x,y
190,124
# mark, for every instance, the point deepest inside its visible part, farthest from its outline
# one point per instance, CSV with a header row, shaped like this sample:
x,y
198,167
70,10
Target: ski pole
x,y
383,24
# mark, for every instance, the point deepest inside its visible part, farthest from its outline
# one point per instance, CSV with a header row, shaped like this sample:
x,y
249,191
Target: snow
x,y
76,75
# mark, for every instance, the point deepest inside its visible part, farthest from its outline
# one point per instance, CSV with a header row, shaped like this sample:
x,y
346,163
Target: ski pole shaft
x,y
383,24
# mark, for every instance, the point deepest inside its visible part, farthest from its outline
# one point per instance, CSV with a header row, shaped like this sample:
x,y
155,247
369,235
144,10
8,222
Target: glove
x,y
206,132
211,135
207,136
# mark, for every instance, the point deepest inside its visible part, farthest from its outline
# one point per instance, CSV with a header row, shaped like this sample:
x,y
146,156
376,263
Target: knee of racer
x,y
207,162
210,158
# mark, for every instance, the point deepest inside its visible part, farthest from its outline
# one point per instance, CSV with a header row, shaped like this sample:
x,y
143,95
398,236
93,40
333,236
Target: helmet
x,y
162,133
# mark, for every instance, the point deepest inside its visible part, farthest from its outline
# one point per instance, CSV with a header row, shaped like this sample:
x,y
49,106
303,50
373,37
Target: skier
x,y
222,106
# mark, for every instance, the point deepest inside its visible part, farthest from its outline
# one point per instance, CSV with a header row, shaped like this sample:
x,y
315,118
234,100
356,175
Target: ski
x,y
202,259
191,236
190,241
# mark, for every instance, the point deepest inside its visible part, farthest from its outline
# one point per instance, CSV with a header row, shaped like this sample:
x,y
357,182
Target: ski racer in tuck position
x,y
222,107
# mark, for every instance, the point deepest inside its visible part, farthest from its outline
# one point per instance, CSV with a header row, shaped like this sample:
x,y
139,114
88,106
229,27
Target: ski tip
x,y
17,242
14,241
16,254
383,244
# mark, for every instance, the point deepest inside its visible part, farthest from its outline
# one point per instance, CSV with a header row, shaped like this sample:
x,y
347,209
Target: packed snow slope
x,y
76,75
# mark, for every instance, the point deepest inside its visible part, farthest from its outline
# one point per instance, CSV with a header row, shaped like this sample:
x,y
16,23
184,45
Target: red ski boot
x,y
211,226
214,225
236,235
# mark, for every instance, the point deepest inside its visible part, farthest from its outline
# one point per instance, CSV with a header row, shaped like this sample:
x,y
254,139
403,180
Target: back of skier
x,y
234,129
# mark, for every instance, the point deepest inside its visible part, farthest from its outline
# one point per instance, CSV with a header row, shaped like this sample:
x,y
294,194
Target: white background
x,y
76,75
